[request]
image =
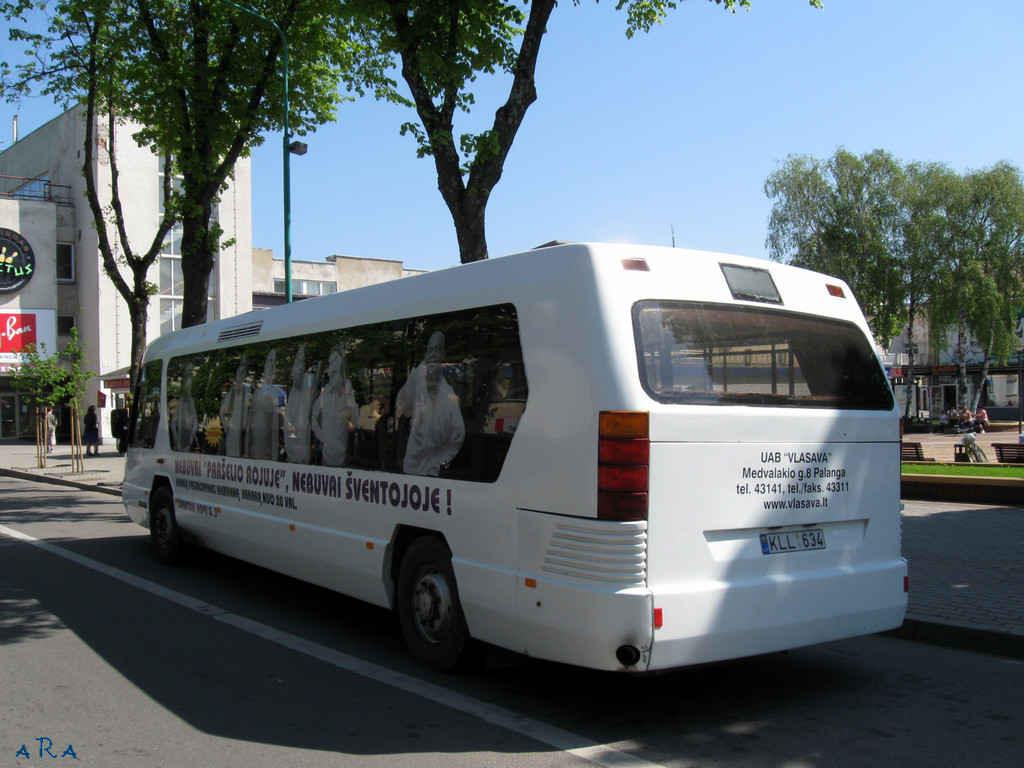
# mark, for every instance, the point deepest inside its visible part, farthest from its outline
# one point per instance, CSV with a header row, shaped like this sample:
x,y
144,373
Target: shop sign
x,y
20,331
118,384
17,261
17,332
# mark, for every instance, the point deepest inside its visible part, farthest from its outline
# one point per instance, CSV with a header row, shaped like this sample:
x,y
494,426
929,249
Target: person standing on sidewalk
x,y
51,429
91,433
119,428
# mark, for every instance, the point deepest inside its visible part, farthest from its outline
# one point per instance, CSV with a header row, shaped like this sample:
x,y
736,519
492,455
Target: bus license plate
x,y
792,541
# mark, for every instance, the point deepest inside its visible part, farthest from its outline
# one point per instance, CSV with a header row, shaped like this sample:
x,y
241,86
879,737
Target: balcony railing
x,y
20,188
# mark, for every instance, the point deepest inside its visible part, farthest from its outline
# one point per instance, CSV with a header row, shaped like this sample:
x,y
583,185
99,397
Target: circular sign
x,y
17,262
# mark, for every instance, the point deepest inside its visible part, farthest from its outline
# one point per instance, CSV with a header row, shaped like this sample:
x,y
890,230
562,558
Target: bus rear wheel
x,y
164,536
429,610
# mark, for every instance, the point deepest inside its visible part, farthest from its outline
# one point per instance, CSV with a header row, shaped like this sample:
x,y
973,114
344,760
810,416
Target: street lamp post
x,y
289,147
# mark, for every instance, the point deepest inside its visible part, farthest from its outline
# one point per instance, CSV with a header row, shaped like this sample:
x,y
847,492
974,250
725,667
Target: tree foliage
x,y
843,216
910,239
442,46
979,230
202,79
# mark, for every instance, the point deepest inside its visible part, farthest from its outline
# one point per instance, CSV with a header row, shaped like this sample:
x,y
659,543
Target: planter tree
x,y
47,380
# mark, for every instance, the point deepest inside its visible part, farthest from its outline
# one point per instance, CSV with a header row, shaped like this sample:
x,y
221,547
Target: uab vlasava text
x,y
794,473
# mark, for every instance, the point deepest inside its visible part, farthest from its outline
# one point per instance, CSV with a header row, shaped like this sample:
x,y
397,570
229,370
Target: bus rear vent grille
x,y
599,554
241,331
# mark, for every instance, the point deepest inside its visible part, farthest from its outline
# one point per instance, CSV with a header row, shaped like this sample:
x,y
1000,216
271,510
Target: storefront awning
x,y
117,381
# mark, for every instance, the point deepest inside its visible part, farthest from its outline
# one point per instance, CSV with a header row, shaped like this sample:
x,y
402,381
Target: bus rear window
x,y
719,354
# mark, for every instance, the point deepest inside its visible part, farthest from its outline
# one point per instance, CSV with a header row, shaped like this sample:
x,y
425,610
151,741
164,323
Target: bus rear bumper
x,y
718,621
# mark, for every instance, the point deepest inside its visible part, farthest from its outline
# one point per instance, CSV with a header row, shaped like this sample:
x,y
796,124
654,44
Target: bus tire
x,y
164,535
429,610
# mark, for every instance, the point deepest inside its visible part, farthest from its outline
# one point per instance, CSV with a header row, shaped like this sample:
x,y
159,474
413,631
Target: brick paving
x,y
966,565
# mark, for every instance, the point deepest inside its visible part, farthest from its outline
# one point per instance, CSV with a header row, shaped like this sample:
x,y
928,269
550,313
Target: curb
x,y
963,638
976,490
113,489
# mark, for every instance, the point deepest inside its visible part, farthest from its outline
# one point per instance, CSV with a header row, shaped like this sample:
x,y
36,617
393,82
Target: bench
x,y
1009,453
912,452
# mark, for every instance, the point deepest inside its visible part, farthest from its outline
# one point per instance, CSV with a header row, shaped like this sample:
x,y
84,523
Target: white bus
x,y
619,457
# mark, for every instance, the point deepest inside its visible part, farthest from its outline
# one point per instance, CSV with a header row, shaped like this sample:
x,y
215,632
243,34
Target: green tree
x,y
89,64
54,380
442,46
846,217
203,79
916,254
979,235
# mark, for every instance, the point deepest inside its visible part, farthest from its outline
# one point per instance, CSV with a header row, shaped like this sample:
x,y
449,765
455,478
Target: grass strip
x,y
962,469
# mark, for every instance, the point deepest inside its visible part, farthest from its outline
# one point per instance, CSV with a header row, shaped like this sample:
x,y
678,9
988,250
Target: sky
x,y
665,137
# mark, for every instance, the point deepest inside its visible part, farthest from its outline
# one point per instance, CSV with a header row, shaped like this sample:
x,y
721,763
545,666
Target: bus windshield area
x,y
721,354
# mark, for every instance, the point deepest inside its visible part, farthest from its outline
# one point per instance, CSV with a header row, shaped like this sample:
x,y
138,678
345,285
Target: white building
x,y
45,217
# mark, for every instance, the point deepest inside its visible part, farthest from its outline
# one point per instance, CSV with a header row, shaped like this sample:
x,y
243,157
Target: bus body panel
x,y
725,558
581,592
536,572
720,620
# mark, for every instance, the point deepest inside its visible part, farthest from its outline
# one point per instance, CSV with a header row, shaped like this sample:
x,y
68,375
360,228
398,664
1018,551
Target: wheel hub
x,y
432,605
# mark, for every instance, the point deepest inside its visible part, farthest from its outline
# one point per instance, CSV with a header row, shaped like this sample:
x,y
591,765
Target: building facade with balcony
x,y
45,219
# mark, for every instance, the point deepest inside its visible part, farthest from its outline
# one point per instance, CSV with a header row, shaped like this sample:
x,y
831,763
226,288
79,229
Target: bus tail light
x,y
623,454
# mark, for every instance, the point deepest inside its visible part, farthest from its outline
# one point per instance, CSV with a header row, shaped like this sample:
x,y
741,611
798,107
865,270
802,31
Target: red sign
x,y
17,332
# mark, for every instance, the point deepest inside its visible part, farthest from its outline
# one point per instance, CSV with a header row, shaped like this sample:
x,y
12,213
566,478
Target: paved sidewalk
x,y
103,473
966,560
966,575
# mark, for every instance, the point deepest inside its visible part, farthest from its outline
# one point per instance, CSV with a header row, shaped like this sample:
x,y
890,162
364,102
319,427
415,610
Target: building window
x,y
65,262
308,287
172,284
65,323
34,189
170,315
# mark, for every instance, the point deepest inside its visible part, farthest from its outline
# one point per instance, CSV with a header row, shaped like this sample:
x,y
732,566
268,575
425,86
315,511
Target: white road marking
x,y
600,754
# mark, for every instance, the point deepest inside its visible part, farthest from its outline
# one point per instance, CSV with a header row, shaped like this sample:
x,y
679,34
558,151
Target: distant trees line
x,y
910,239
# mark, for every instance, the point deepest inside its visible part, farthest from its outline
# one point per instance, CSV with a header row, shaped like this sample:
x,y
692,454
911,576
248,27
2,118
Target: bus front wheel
x,y
429,611
164,536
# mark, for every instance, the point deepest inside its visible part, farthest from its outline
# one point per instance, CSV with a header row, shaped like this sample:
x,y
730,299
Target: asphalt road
x,y
219,663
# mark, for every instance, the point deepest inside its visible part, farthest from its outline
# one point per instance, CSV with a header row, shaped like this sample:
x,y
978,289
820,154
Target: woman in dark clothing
x,y
91,434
